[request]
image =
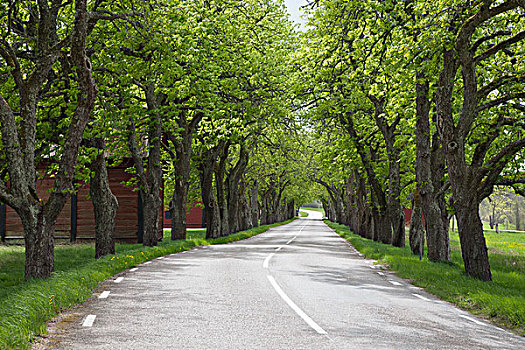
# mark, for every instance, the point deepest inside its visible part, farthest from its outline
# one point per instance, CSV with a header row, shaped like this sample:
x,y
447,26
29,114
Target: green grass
x,y
27,306
303,214
502,301
503,228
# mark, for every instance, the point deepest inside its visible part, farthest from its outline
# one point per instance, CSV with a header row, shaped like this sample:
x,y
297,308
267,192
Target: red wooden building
x,y
77,220
408,216
194,217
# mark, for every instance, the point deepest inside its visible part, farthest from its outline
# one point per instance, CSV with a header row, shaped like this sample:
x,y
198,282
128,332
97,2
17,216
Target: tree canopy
x,y
378,107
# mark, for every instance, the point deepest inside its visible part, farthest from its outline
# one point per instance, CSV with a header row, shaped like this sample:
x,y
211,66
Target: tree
x,y
477,137
32,41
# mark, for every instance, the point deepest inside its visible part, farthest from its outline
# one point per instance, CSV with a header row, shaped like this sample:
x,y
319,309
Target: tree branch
x,y
480,41
11,144
500,101
493,85
500,46
509,182
495,165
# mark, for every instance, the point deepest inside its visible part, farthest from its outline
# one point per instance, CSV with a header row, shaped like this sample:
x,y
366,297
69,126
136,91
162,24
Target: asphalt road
x,y
298,286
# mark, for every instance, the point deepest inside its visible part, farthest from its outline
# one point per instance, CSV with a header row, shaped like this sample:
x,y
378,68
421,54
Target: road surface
x,y
298,286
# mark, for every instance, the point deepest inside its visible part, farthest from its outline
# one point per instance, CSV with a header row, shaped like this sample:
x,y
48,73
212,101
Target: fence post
x,y
74,215
2,221
140,219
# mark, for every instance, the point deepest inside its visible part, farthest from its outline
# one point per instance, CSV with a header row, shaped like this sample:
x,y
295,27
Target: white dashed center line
x,y
266,261
395,283
88,322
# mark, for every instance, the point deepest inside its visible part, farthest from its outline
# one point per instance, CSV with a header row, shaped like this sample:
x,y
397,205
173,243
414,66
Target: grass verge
x,y
27,306
501,301
303,214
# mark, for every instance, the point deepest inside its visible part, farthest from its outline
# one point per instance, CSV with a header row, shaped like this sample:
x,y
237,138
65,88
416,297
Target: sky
x,y
293,9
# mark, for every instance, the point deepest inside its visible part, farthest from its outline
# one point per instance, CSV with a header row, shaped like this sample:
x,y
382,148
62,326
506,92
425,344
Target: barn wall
x,y
194,217
126,226
408,216
13,224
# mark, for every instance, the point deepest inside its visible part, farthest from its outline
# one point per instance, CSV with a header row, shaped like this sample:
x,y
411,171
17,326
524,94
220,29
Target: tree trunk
x,y
395,210
151,205
464,179
179,201
255,204
437,239
518,221
382,227
472,239
244,209
264,209
430,170
149,178
417,234
105,204
181,143
213,222
397,219
39,242
349,204
211,212
178,212
235,191
221,190
363,211
492,218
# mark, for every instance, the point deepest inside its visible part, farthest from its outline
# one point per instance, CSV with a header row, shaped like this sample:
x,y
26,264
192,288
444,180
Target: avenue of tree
x,y
421,104
379,106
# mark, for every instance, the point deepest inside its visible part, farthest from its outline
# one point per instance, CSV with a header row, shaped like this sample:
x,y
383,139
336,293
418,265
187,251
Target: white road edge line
x,y
380,273
134,269
119,279
88,322
294,307
420,297
473,320
104,294
395,283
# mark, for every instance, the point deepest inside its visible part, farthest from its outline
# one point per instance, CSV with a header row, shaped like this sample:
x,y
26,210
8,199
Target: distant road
x,y
298,286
